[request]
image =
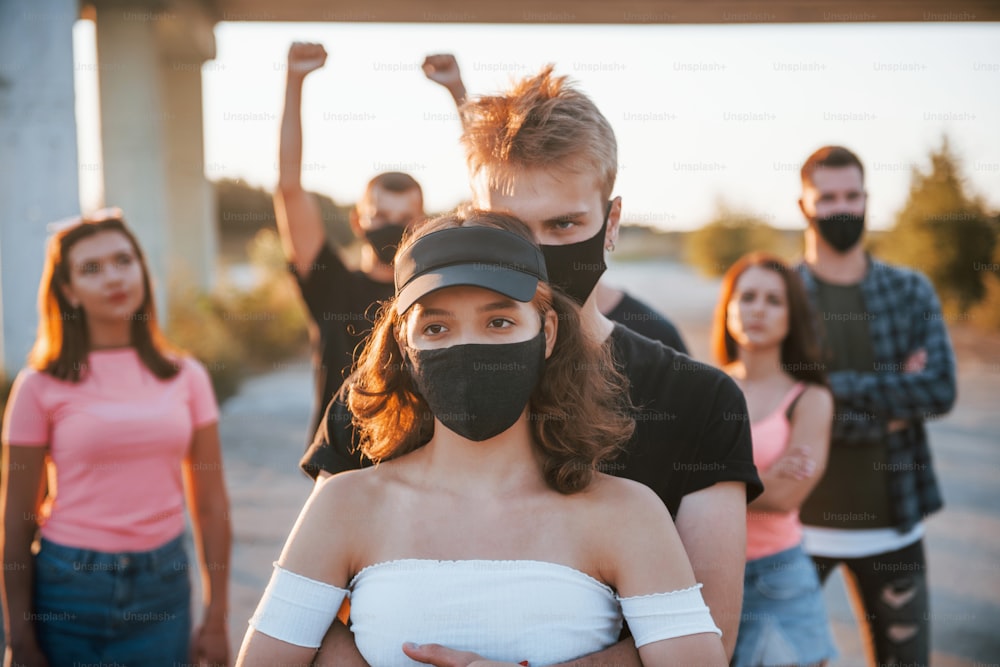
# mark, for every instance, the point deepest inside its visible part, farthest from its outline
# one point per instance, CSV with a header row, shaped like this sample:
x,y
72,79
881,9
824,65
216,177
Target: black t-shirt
x,y
642,319
343,304
692,428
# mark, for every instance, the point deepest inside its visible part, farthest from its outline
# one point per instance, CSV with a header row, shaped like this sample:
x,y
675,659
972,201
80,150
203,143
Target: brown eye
x,y
562,225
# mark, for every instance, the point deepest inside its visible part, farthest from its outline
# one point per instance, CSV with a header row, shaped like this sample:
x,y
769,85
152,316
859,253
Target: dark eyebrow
x,y
433,312
89,261
567,216
502,304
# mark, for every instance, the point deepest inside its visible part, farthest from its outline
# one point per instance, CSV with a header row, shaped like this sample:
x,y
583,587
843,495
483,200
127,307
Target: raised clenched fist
x,y
442,68
304,57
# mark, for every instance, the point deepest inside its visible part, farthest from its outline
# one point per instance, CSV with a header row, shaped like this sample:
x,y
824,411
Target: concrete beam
x,y
617,12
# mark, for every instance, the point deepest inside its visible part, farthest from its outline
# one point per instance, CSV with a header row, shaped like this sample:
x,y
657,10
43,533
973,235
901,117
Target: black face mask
x,y
478,390
841,230
576,267
384,241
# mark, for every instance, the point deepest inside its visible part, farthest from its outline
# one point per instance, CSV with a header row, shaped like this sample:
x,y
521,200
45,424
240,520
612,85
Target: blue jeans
x,y
128,608
784,618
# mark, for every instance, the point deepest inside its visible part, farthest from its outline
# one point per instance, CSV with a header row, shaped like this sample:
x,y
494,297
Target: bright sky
x,y
700,112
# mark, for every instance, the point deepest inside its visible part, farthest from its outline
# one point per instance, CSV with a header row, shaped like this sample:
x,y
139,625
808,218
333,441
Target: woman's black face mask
x,y
478,390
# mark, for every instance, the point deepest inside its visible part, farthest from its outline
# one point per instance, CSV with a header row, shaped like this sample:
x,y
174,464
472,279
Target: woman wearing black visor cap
x,y
486,525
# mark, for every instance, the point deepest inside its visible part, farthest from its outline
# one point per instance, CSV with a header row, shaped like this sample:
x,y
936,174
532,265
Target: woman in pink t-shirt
x,y
763,337
124,425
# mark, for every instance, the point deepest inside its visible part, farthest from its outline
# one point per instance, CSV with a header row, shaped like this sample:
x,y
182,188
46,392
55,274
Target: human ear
x,y
802,207
355,223
399,334
614,220
550,324
69,295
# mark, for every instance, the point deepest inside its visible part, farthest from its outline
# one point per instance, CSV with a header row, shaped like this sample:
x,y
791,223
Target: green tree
x,y
244,210
944,232
727,237
986,313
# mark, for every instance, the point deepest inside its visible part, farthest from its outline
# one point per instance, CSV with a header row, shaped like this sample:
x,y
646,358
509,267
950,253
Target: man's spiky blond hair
x,y
540,122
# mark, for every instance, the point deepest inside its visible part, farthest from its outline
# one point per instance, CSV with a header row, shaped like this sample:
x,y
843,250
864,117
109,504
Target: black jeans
x,y
892,590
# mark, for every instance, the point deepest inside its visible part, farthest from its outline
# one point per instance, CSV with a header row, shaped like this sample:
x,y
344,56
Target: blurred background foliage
x,y
239,329
946,233
730,234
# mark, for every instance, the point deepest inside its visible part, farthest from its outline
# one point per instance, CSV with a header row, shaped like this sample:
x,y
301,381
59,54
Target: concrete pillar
x,y
191,203
38,155
132,130
186,39
151,119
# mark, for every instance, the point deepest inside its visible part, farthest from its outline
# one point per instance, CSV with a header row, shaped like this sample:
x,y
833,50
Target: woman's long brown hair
x,y
579,411
62,343
800,354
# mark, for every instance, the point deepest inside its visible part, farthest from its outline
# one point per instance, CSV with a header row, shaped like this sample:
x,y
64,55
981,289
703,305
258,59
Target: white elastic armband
x,y
297,609
659,616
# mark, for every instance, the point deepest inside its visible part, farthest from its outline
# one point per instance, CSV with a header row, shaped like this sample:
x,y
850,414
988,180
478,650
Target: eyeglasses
x,y
100,215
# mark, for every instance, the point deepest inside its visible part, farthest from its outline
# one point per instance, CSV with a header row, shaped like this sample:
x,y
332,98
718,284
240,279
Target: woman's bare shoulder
x,y
816,402
353,489
623,496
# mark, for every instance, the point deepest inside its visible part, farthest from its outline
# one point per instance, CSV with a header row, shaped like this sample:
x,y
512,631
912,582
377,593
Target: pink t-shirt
x,y
771,532
117,439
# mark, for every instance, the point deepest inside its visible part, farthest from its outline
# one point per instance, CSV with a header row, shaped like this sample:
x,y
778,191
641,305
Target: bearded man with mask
x,y
342,303
890,367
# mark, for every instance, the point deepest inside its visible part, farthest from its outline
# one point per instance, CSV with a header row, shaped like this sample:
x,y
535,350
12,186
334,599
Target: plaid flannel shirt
x,y
903,316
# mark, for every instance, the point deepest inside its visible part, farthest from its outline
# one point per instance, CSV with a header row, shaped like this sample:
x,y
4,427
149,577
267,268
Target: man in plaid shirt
x,y
891,367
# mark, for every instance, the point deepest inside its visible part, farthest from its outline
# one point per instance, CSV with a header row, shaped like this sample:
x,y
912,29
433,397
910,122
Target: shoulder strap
x,y
792,399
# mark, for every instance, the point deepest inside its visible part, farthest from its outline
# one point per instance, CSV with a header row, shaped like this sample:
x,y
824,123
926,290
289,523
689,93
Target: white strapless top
x,y
505,610
510,611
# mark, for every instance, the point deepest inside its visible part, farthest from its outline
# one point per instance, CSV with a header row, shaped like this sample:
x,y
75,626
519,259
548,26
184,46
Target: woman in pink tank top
x,y
95,565
763,337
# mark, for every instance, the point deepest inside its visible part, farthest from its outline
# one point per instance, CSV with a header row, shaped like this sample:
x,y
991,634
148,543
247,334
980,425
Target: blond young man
x,y
615,304
544,153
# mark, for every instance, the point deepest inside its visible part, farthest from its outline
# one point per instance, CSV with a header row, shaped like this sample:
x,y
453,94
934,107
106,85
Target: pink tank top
x,y
771,532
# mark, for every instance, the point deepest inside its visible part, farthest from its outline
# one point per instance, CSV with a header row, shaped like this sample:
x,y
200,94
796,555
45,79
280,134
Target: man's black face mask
x,y
841,230
576,267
